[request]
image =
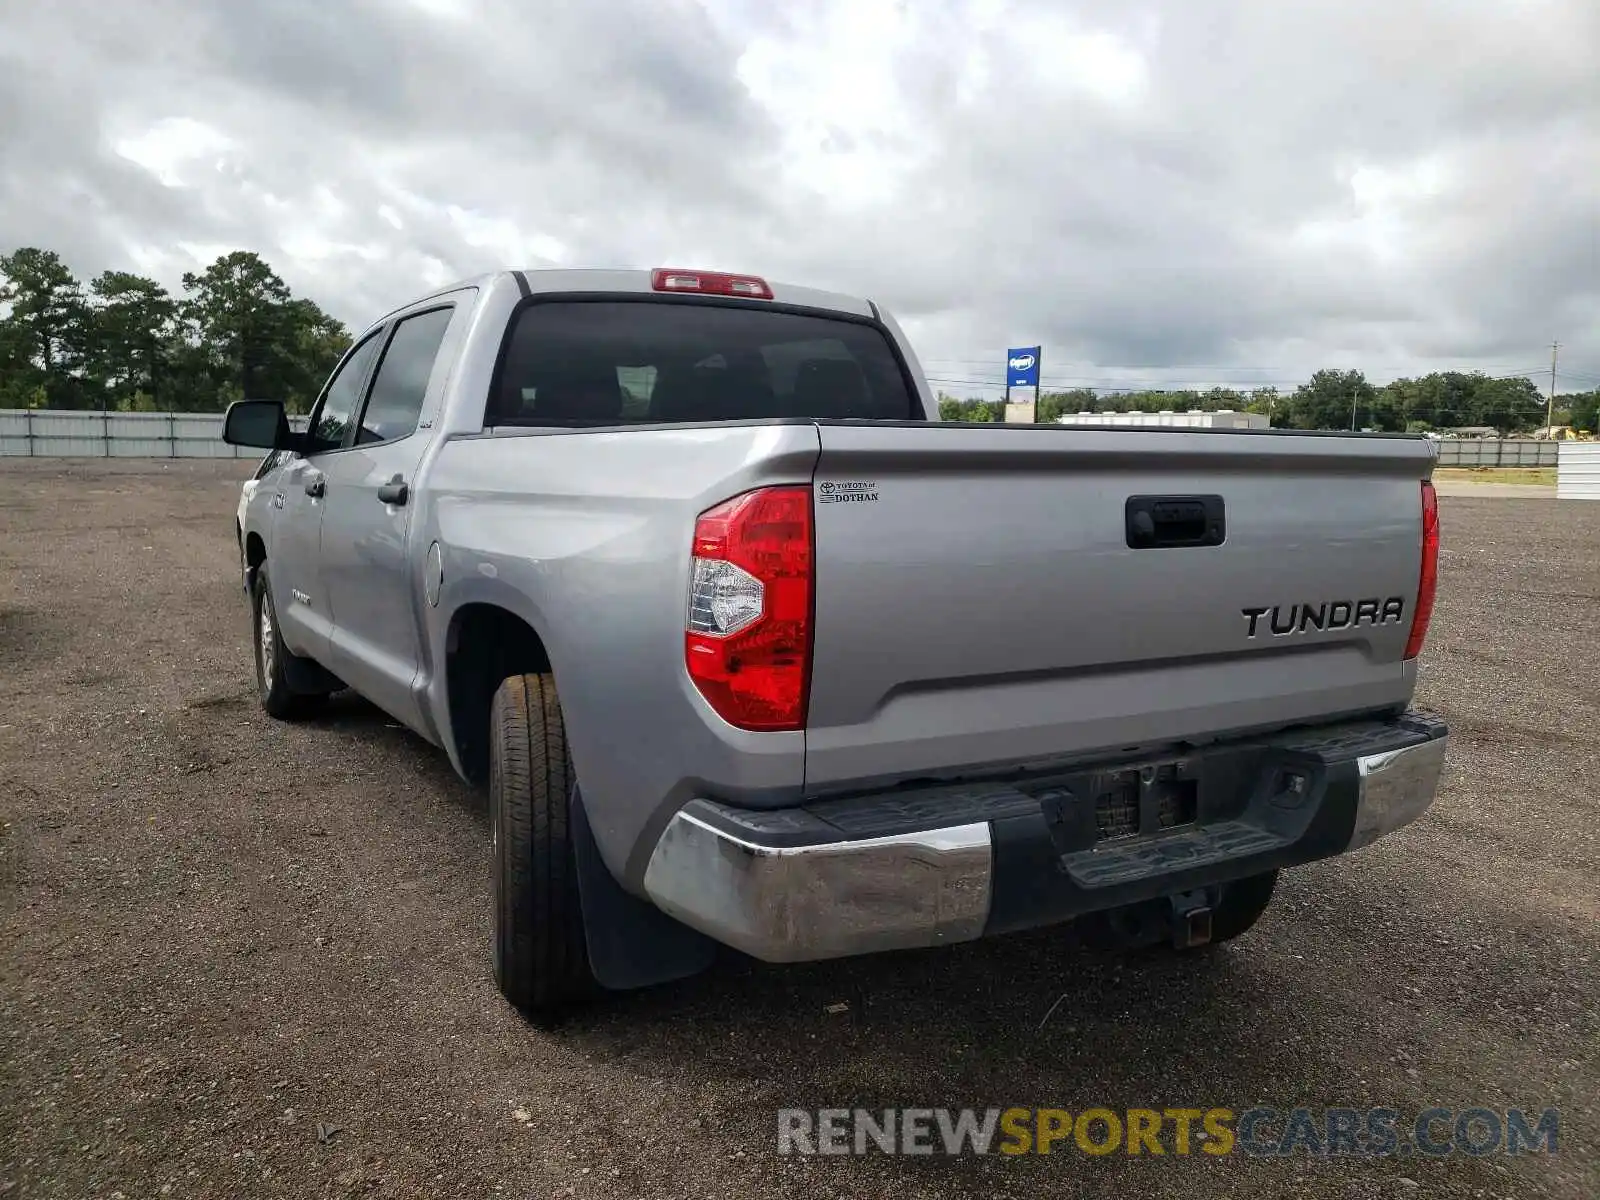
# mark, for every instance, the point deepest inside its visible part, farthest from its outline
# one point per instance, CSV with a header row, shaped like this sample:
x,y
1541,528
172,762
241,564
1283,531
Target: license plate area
x,y
1146,800
1129,802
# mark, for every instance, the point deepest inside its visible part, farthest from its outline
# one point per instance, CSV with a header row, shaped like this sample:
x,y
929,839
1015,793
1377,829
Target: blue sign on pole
x,y
1022,366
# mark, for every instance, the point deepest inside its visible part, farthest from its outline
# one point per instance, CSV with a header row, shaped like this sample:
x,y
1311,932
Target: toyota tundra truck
x,y
750,650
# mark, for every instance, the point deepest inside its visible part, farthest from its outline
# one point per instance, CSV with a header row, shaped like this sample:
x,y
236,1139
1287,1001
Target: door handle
x,y
394,492
1157,522
316,485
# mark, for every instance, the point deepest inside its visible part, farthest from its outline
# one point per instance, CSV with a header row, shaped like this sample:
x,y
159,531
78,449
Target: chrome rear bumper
x,y
775,886
1397,787
795,904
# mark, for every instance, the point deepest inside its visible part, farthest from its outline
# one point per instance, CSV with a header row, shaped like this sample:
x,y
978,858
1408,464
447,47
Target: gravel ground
x,y
246,958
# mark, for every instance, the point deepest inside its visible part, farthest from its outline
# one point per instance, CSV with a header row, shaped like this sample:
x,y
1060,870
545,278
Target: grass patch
x,y
1532,475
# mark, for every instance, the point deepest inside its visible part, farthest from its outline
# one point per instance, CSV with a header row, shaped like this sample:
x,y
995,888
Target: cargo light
x,y
747,639
1428,579
709,283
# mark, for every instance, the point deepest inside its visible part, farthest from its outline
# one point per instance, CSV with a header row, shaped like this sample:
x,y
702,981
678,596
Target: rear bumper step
x,y
947,864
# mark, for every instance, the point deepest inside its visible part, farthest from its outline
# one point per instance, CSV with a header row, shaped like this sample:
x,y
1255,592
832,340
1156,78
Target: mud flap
x,y
307,677
632,943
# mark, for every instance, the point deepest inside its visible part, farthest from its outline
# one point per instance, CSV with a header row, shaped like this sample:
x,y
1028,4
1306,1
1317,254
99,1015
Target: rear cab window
x,y
652,361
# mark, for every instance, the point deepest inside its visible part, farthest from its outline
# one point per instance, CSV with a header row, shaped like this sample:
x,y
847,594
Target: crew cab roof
x,y
574,280
608,281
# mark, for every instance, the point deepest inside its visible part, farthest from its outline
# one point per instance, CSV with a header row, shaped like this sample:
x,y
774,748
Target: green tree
x,y
1332,400
46,328
317,341
1057,404
1444,399
133,325
1387,412
20,380
1221,399
1400,398
1158,401
1266,402
1585,410
970,410
128,343
239,311
1510,405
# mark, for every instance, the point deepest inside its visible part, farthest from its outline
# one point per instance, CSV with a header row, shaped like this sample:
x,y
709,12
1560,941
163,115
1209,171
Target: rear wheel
x,y
541,961
1144,926
275,661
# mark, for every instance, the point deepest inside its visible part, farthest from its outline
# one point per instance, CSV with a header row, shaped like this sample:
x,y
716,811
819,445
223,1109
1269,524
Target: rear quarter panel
x,y
586,535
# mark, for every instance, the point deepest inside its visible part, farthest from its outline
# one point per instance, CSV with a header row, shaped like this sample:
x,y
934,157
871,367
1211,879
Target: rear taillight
x,y
747,640
709,283
1428,579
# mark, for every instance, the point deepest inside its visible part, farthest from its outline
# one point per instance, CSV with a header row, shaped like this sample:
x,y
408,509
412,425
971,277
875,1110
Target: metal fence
x,y
53,433
40,433
1578,475
1496,452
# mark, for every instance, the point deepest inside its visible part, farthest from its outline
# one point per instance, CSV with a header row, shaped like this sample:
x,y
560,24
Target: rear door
x,y
369,573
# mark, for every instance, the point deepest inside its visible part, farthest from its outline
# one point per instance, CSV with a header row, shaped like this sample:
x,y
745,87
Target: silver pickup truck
x,y
750,650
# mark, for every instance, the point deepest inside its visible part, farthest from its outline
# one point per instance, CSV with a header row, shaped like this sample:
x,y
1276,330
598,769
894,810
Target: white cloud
x,y
1063,56
1184,191
828,81
176,150
508,241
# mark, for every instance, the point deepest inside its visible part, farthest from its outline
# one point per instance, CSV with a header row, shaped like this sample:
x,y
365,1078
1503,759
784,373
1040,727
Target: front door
x,y
370,576
305,618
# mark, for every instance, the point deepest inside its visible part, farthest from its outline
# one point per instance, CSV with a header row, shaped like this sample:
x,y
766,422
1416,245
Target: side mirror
x,y
262,424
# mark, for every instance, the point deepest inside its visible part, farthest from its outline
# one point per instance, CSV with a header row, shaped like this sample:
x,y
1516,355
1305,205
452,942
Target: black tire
x,y
541,961
275,662
1145,927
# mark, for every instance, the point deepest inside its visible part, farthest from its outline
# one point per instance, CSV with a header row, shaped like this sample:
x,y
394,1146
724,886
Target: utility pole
x,y
1550,406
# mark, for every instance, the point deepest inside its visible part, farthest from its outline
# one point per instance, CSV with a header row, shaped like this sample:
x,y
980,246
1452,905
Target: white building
x,y
1195,419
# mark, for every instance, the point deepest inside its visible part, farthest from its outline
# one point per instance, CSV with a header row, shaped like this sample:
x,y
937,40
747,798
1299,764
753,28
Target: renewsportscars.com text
x,y
1096,1131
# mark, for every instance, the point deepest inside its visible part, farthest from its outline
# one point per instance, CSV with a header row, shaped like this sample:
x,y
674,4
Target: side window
x,y
337,410
401,384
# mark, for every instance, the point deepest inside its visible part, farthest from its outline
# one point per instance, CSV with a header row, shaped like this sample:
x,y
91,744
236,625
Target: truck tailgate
x,y
978,604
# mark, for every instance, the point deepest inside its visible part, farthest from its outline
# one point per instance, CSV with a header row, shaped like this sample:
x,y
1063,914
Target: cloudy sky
x,y
1182,191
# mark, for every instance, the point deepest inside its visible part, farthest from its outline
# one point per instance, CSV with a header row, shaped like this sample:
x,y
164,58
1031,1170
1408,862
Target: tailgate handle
x,y
1157,522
